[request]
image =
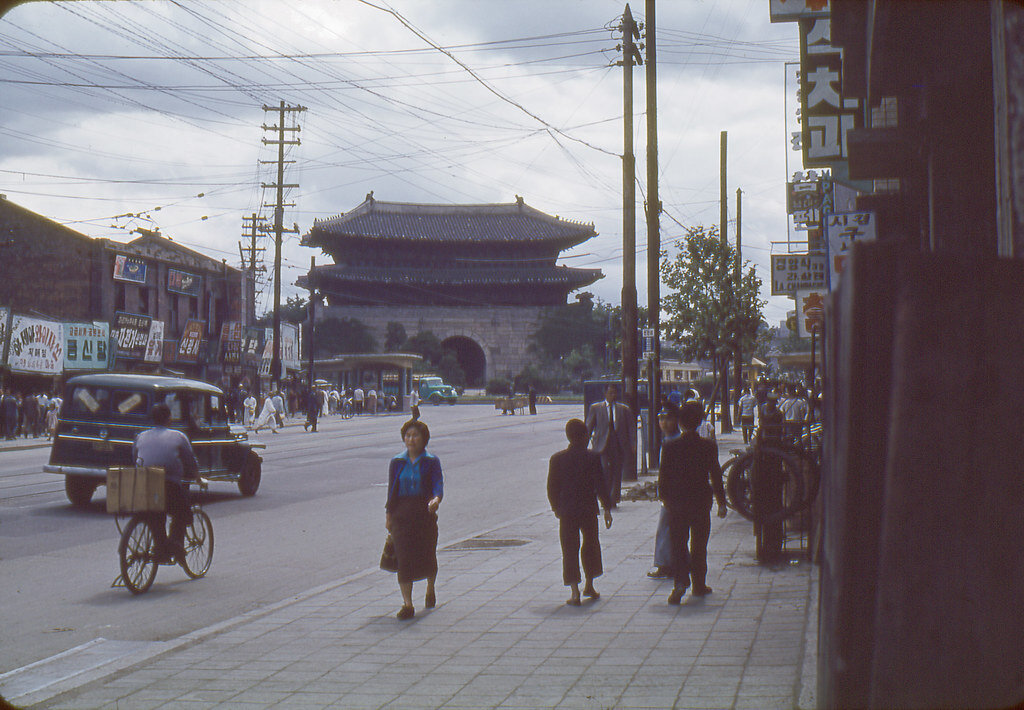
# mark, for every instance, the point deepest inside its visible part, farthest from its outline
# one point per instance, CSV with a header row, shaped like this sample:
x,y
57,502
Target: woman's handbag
x,y
388,558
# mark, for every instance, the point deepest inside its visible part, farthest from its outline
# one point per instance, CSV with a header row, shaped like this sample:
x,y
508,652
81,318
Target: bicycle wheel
x,y
781,475
137,551
347,412
198,545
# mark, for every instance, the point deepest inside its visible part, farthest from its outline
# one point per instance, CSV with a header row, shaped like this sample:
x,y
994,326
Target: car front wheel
x,y
252,472
79,490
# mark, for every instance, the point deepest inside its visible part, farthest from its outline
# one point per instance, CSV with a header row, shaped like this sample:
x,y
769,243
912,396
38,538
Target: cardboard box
x,y
133,489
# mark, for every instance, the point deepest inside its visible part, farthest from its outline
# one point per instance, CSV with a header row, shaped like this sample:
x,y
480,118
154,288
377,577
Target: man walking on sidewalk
x,y
687,463
575,484
613,431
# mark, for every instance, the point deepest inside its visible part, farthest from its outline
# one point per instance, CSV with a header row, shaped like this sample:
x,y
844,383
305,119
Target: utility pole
x,y
653,235
630,53
249,268
312,322
738,367
279,230
724,228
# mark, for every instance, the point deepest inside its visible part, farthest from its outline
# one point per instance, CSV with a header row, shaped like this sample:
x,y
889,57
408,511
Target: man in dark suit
x,y
687,464
575,484
613,435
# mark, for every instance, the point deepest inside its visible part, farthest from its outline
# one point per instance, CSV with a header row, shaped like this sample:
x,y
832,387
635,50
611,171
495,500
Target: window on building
x,y
144,300
119,297
193,307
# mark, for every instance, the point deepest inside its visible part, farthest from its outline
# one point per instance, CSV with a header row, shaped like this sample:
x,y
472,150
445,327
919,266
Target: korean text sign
x,y
85,346
36,346
842,230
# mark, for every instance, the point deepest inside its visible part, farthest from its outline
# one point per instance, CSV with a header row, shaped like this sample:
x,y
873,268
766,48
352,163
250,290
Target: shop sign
x,y
793,272
825,114
183,282
130,332
36,346
127,268
290,346
842,230
155,342
231,342
793,10
5,315
810,312
191,337
86,345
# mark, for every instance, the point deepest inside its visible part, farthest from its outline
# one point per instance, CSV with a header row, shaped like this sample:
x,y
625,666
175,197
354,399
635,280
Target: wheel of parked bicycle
x,y
778,473
347,412
198,545
137,552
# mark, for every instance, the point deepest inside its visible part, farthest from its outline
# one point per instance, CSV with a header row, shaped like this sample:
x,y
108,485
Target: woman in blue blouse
x,y
415,489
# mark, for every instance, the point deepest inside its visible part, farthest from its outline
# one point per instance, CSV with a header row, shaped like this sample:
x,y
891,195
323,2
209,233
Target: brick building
x,y
52,272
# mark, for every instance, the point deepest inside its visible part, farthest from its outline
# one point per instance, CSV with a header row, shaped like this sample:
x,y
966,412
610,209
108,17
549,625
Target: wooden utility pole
x,y
249,268
653,235
724,229
279,230
630,53
738,367
312,323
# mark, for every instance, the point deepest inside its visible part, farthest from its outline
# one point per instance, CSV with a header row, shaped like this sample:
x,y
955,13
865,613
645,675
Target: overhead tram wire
x,y
481,81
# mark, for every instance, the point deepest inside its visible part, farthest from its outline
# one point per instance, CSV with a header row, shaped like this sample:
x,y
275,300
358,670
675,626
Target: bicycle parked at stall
x,y
773,481
139,557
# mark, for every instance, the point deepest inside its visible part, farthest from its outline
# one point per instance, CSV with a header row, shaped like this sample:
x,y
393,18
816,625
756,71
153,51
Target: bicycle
x,y
138,554
346,409
771,482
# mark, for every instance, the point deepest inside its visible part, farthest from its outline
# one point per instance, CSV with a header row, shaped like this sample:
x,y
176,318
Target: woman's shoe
x,y
406,612
677,595
430,601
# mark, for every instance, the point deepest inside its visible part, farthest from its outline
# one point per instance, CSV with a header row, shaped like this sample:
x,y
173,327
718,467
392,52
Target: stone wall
x,y
502,332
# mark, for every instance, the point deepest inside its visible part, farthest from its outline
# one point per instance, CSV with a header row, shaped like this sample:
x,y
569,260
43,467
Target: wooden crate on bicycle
x,y
135,489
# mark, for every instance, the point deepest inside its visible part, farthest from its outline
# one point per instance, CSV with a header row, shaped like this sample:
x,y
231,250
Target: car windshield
x,y
93,402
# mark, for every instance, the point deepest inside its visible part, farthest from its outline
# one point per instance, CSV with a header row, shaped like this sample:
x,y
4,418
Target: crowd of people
x,y
28,414
269,410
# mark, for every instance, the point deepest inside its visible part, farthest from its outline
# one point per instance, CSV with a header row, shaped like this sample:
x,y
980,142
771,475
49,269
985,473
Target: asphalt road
x,y
317,517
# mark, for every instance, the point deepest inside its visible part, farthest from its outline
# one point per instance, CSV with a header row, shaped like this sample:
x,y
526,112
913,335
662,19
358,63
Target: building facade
x,y
145,305
478,276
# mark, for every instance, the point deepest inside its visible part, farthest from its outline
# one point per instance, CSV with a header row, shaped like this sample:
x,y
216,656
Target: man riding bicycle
x,y
171,450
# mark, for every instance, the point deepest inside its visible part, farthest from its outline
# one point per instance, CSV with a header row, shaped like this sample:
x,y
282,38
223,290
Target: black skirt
x,y
414,531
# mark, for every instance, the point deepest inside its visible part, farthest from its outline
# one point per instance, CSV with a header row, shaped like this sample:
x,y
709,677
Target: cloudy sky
x,y
119,115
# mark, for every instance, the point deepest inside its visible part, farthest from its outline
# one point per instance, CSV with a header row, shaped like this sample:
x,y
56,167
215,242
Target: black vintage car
x,y
103,413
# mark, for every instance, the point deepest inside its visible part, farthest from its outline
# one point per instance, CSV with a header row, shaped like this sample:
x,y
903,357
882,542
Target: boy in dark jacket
x,y
687,464
575,484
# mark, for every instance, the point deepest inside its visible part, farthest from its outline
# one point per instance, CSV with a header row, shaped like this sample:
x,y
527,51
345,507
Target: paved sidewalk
x,y
502,637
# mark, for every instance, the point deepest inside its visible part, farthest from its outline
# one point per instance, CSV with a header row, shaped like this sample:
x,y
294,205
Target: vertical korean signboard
x,y
842,230
85,346
37,346
825,114
155,342
191,337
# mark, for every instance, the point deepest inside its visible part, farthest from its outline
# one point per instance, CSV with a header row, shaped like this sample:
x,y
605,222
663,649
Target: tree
x,y
293,310
336,336
394,337
450,370
712,315
428,345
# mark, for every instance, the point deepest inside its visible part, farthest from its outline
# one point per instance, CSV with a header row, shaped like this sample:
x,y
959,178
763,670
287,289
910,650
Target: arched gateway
x,y
477,276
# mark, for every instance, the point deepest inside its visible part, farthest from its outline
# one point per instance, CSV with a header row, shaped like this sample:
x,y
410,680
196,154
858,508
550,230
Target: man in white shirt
x,y
747,403
358,396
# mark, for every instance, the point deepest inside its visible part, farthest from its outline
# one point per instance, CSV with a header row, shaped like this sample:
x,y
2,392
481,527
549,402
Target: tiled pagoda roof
x,y
513,222
457,276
